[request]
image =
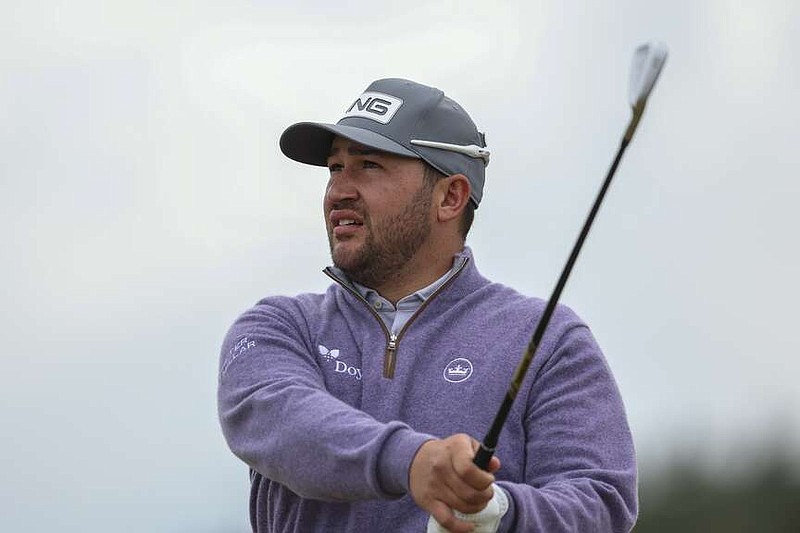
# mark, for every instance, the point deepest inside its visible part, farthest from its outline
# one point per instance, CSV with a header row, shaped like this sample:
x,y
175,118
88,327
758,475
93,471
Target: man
x,y
357,409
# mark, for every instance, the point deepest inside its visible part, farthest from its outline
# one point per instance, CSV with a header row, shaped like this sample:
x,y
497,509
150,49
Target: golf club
x,y
648,60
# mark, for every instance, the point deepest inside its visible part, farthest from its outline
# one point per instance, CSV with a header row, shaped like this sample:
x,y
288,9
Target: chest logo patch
x,y
458,370
328,355
340,367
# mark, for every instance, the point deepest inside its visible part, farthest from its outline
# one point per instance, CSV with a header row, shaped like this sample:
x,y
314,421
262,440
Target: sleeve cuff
x,y
395,460
507,522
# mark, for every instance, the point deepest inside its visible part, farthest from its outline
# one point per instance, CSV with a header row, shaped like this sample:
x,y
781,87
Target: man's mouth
x,y
345,218
347,222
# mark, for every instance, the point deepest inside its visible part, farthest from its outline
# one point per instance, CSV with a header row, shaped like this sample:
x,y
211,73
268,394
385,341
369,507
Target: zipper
x,y
390,357
392,340
352,291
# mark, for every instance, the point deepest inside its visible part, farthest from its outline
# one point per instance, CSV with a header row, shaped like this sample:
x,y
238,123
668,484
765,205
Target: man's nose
x,y
341,187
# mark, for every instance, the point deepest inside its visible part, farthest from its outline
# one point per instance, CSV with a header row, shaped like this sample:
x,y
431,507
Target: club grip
x,y
483,457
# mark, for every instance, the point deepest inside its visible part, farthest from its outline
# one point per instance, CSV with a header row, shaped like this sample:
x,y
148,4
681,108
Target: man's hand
x,y
443,478
486,521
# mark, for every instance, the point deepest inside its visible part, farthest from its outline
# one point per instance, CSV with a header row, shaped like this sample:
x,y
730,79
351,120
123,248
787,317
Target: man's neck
x,y
422,270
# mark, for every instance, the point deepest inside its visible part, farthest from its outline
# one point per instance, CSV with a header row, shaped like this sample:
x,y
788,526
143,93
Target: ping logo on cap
x,y
379,107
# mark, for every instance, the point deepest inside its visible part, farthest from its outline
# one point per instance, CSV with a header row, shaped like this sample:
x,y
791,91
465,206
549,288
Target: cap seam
x,y
423,116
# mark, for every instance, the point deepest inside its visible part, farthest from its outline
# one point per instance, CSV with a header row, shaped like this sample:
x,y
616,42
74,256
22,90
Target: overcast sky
x,y
145,204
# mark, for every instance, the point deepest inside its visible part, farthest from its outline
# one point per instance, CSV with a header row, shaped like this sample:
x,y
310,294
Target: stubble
x,y
389,244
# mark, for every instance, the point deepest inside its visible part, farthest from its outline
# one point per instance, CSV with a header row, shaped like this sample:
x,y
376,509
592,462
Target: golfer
x,y
357,409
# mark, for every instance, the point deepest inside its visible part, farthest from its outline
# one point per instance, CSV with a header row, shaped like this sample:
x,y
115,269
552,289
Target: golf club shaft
x,y
489,443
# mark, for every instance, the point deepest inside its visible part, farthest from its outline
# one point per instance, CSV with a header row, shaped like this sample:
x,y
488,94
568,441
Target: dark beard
x,y
391,243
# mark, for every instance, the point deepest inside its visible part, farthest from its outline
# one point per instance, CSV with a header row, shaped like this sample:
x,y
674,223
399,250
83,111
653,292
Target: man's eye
x,y
371,164
334,167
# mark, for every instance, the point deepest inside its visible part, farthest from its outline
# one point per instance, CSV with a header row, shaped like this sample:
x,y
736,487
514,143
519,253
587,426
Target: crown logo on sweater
x,y
458,370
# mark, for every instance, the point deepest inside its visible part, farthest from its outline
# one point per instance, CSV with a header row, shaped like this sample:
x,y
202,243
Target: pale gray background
x,y
145,204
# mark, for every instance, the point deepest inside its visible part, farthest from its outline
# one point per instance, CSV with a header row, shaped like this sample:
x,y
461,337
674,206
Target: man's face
x,y
377,211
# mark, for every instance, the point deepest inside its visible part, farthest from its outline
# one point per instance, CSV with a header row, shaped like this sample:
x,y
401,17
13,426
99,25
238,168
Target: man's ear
x,y
452,196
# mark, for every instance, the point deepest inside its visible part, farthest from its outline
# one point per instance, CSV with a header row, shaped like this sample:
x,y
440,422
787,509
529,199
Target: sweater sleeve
x,y
277,416
580,473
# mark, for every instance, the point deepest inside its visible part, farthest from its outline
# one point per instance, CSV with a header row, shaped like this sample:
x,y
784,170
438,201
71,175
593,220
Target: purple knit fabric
x,y
304,402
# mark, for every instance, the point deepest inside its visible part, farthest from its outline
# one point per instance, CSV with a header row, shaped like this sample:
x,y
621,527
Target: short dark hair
x,y
431,177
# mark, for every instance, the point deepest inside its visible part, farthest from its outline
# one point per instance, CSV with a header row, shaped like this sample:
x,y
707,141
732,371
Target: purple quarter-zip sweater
x,y
328,409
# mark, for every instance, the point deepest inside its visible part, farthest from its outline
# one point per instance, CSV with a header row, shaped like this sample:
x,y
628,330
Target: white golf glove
x,y
486,521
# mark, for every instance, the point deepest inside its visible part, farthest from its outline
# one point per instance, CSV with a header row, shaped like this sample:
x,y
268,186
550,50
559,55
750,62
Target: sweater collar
x,y
422,294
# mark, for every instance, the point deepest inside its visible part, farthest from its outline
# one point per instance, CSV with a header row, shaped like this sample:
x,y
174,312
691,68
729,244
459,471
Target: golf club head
x,y
648,60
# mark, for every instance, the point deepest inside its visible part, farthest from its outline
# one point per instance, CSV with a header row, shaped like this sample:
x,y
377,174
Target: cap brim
x,y
310,142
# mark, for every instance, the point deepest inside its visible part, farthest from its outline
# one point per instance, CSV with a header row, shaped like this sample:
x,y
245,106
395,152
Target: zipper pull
x,y
390,357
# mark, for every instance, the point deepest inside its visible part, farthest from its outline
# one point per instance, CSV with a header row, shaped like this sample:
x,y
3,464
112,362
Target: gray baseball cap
x,y
405,118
